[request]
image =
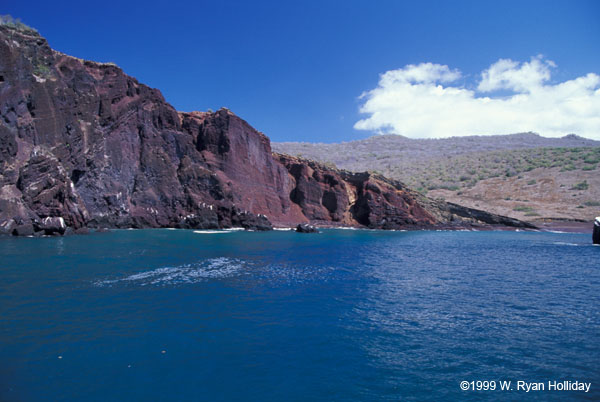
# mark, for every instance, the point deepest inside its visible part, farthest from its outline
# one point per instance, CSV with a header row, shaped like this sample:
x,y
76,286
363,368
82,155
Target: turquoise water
x,y
280,316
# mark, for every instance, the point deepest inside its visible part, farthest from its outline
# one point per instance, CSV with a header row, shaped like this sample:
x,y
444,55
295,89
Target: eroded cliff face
x,y
355,199
84,145
83,141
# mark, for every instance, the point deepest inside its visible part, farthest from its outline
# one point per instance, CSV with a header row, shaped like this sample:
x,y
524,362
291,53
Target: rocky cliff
x,y
84,145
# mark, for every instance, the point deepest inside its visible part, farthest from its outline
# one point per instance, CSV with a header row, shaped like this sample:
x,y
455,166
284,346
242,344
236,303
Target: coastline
x,y
566,226
559,226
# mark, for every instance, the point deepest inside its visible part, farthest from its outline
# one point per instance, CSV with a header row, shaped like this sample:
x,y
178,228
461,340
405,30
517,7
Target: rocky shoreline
x,y
83,145
566,226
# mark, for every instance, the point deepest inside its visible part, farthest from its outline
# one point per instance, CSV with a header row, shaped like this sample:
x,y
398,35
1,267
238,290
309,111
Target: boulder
x,y
306,228
202,219
51,226
25,229
250,221
7,227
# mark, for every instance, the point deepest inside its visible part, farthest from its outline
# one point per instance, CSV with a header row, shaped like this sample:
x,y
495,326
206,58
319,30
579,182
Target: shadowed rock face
x,y
84,145
355,199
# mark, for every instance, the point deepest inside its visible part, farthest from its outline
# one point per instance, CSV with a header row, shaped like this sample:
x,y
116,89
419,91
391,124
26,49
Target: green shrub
x,y
532,213
531,182
41,70
16,23
522,208
590,158
451,187
581,186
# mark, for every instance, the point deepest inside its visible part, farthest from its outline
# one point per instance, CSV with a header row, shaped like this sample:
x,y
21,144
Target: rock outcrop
x,y
84,145
353,199
596,233
306,228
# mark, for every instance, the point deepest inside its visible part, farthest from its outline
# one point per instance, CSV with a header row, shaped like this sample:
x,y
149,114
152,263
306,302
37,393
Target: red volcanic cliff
x,y
356,199
84,145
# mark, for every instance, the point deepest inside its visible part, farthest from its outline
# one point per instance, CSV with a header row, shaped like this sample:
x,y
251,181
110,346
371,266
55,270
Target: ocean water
x,y
343,315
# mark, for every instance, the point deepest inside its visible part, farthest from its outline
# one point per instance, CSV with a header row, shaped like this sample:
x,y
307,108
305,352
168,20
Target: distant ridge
x,y
428,147
524,175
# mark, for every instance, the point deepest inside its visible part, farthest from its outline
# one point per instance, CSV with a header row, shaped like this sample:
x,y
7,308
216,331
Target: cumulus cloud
x,y
420,101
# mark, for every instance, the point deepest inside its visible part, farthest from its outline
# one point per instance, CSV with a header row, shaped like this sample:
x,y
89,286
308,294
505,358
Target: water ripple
x,y
213,268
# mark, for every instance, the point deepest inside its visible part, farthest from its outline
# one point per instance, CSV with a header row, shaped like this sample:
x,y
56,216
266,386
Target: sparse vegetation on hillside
x,y
581,186
42,70
496,173
453,163
465,170
15,23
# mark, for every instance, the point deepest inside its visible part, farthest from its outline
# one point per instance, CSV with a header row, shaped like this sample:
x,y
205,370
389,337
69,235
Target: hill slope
x,y
495,172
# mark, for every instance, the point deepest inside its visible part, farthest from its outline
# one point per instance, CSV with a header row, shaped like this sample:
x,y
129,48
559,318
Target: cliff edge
x,y
82,144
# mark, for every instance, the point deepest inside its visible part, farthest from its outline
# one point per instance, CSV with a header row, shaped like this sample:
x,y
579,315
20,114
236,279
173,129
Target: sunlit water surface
x,y
281,316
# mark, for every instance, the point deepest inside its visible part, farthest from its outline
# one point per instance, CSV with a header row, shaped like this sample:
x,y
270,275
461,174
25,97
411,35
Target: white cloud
x,y
507,74
423,73
413,102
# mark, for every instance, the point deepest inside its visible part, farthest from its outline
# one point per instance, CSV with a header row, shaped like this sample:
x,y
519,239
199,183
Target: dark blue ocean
x,y
344,315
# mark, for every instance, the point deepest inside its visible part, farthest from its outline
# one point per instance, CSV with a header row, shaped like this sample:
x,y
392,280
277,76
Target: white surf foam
x,y
561,243
213,268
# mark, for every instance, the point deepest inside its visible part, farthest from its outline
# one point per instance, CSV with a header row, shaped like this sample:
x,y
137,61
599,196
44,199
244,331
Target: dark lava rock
x,y
203,219
7,227
306,228
51,226
253,222
487,217
24,230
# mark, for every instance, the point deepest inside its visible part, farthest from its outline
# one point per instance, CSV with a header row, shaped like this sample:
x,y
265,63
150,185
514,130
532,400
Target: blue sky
x,y
296,70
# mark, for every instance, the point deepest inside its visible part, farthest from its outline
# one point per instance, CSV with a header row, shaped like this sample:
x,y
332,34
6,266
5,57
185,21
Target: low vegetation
x,y
581,186
523,209
466,170
453,163
524,176
463,171
15,23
